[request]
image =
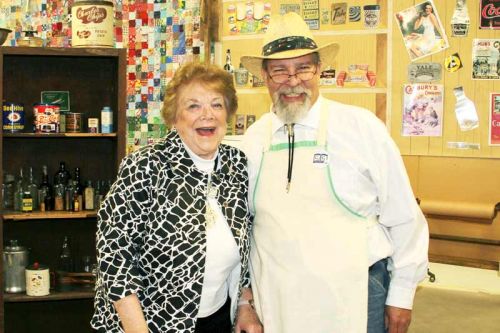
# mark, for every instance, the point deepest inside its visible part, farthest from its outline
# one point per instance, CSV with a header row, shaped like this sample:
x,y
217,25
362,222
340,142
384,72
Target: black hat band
x,y
287,44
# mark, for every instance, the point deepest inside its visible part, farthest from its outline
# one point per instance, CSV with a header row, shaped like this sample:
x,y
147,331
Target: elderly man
x,y
339,243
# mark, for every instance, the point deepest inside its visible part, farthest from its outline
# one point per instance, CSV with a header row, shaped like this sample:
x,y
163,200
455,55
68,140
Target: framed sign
x,y
422,110
494,132
489,14
486,59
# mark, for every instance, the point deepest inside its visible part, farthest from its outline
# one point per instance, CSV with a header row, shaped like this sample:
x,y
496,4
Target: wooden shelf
x,y
55,295
58,135
18,216
345,32
323,89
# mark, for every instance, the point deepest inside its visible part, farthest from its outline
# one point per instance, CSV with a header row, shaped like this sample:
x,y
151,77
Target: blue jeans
x,y
378,284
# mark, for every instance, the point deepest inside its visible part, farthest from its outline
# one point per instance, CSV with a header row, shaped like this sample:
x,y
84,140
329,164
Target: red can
x,y
46,118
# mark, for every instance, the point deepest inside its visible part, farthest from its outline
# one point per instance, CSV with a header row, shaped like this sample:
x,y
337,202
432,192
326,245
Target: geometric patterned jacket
x,y
151,237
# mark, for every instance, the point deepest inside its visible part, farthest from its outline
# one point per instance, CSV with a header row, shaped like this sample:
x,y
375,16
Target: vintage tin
x,y
37,280
13,117
73,122
93,125
46,118
92,24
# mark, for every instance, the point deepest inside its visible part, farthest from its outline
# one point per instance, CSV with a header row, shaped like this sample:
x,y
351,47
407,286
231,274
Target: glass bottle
x,y
8,190
76,202
44,191
59,192
228,66
78,187
68,195
33,188
97,194
62,175
89,196
19,191
65,263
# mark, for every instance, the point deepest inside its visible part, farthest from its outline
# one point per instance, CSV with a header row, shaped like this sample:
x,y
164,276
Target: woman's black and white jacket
x,y
151,237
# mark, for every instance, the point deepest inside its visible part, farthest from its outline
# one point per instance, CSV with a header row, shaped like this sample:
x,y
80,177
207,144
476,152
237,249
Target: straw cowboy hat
x,y
288,36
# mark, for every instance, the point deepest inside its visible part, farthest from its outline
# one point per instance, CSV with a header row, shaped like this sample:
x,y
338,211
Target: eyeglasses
x,y
304,73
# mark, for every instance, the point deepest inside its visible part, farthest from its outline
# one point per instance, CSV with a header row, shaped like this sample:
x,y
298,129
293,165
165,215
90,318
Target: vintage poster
x,y
310,13
489,14
486,59
494,135
422,110
248,17
422,31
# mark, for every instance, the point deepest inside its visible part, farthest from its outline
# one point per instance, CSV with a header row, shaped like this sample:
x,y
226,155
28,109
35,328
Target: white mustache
x,y
294,90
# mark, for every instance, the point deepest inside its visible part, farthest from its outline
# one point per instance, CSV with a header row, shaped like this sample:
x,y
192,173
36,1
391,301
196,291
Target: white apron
x,y
309,260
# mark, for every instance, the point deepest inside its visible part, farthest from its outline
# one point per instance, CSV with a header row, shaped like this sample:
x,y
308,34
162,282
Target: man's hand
x,y
247,320
397,320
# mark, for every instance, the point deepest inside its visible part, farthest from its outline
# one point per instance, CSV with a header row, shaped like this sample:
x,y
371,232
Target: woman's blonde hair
x,y
210,76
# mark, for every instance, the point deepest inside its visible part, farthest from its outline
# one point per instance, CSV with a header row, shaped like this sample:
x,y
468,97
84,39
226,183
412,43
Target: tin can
x,y
46,118
13,117
93,125
92,23
73,122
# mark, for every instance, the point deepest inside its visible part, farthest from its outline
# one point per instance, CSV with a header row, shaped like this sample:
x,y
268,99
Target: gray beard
x,y
290,113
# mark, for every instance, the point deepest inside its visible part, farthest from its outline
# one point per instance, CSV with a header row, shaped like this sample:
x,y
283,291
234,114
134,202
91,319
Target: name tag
x,y
320,159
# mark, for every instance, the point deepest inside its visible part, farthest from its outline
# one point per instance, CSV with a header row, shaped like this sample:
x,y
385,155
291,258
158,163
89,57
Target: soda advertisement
x,y
494,135
489,14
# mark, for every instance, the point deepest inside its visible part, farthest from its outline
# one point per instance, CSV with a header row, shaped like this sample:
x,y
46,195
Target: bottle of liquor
x,y
65,263
89,196
78,188
27,202
33,189
62,175
228,66
44,191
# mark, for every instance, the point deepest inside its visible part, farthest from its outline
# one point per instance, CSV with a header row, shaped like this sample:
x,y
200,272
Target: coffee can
x,y
92,23
73,122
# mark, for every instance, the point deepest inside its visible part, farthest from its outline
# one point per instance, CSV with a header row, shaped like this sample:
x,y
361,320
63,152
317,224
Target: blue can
x,y
13,117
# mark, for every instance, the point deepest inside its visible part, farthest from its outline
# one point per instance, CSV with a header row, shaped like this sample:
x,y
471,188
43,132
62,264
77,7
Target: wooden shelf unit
x,y
94,77
358,45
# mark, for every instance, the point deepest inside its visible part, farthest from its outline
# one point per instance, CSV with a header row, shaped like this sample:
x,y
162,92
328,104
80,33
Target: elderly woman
x,y
173,232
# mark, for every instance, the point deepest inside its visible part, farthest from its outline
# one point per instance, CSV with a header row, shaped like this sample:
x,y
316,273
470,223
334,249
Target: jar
x,y
37,280
15,260
8,190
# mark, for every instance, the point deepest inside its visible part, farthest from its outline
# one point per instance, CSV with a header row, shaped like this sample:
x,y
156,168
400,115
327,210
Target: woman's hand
x,y
247,320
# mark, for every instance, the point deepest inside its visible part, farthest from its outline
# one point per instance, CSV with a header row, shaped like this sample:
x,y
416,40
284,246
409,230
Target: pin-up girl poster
x,y
422,31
